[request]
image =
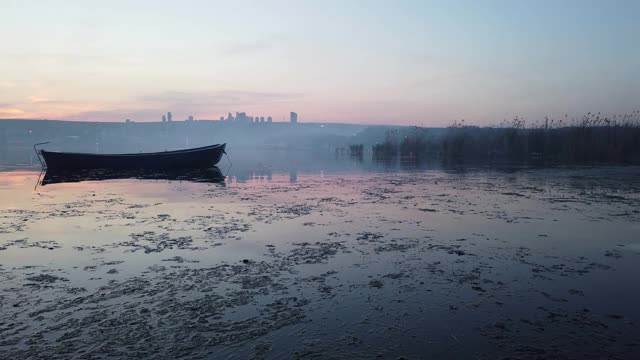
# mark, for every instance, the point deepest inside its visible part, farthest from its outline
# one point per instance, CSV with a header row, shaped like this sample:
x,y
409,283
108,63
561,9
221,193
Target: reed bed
x,y
591,138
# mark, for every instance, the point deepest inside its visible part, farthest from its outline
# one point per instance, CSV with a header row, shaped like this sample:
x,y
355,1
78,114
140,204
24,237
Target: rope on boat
x,y
38,182
227,155
44,166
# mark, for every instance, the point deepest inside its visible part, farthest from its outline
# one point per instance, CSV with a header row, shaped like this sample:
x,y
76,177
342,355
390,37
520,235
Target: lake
x,y
346,260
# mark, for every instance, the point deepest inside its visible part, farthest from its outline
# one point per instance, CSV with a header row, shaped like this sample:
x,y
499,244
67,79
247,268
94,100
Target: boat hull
x,y
197,158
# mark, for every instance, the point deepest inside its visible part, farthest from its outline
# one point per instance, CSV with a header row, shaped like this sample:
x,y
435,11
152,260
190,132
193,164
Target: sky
x,y
425,63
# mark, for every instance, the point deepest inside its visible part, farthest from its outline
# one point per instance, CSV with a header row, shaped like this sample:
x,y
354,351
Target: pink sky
x,y
408,62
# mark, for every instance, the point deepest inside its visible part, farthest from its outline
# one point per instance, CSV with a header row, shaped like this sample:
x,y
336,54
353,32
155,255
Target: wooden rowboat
x,y
196,158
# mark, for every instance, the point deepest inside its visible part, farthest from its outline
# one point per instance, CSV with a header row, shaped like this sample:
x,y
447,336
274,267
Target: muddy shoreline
x,y
530,264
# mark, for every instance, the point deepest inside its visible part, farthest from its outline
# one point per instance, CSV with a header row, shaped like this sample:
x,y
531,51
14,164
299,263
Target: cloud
x,y
55,104
248,47
7,84
222,98
38,99
119,114
11,112
52,110
183,103
208,105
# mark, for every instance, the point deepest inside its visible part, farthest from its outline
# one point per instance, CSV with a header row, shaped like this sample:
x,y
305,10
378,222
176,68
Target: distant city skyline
x,y
406,62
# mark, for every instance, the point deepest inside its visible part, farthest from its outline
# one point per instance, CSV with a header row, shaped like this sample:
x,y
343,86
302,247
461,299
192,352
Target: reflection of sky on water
x,y
453,244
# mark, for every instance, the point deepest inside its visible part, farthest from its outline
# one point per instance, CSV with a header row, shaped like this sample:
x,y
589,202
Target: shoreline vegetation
x,y
590,139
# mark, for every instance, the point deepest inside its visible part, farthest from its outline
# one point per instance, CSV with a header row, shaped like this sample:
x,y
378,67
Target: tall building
x,y
169,117
164,118
242,118
261,119
269,120
293,117
190,118
230,117
221,118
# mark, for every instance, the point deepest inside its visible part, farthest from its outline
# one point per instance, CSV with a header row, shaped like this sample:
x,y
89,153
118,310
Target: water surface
x,y
459,263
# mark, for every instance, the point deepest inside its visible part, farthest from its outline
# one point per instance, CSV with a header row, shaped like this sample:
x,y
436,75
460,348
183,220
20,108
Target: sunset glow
x,y
398,62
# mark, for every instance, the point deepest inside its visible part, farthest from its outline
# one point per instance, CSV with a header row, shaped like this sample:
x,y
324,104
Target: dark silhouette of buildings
x,y
240,118
293,117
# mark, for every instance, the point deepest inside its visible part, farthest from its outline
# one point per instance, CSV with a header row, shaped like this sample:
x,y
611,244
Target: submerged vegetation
x,y
592,138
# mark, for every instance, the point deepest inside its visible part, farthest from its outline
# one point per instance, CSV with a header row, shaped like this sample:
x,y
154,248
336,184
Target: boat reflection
x,y
210,175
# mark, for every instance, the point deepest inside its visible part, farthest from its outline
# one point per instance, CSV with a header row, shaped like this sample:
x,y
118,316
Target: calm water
x,y
352,261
